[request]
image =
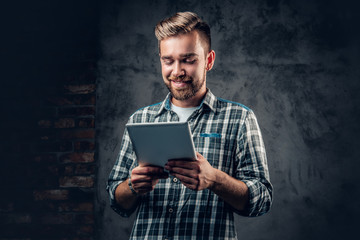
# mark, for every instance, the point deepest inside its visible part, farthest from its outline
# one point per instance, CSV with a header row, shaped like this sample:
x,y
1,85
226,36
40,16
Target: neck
x,y
191,102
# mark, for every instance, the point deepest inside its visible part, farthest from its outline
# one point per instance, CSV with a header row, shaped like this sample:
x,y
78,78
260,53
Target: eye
x,y
168,61
189,60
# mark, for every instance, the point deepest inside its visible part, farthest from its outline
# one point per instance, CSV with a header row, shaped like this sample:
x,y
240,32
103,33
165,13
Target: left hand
x,y
194,174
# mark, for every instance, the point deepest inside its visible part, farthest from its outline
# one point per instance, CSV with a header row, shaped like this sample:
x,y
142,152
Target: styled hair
x,y
181,23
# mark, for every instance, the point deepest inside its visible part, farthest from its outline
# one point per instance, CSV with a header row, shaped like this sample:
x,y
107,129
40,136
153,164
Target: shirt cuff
x,y
114,205
260,199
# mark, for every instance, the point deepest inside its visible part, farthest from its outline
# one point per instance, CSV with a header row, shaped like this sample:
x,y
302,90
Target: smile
x,y
179,84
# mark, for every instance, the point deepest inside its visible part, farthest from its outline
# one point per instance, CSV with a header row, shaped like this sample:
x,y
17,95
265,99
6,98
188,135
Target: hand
x,y
144,178
194,174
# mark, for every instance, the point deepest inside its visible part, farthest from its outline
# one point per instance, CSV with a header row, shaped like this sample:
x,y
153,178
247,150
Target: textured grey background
x,y
293,62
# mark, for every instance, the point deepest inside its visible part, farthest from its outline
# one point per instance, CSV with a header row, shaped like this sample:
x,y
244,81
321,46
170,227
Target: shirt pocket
x,y
210,146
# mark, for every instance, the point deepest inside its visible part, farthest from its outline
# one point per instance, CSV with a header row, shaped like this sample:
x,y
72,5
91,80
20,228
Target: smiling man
x,y
193,199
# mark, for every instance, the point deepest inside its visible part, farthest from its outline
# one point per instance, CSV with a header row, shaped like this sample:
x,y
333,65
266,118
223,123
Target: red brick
x,y
86,123
84,146
51,195
77,134
45,206
85,169
77,111
80,89
77,158
73,100
59,101
65,123
79,169
69,170
57,218
49,158
76,207
77,181
57,146
45,123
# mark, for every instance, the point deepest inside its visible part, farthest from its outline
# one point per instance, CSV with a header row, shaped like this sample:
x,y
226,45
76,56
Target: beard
x,y
185,93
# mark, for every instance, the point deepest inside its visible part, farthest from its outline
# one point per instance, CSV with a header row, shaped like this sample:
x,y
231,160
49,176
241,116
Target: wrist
x,y
216,179
131,188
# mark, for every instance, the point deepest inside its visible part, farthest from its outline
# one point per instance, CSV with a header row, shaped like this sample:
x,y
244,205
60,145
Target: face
x,y
184,64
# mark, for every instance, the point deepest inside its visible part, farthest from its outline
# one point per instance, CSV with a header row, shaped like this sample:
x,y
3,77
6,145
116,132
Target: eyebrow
x,y
187,55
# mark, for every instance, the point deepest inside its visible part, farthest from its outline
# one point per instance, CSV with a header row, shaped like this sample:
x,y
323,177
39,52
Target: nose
x,y
178,71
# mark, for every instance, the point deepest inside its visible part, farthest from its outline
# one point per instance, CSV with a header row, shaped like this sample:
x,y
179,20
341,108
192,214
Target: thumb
x,y
198,156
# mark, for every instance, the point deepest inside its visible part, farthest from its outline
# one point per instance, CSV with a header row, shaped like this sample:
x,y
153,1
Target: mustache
x,y
183,78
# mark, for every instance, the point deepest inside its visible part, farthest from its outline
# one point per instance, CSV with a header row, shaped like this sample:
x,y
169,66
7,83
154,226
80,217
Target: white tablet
x,y
156,143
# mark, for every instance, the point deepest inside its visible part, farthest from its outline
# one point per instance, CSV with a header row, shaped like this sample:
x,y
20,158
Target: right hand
x,y
144,178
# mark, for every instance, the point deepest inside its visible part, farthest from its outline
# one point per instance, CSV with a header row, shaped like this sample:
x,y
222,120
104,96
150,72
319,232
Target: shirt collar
x,y
209,101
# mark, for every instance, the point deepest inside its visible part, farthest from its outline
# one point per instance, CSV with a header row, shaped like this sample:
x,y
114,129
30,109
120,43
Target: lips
x,y
180,84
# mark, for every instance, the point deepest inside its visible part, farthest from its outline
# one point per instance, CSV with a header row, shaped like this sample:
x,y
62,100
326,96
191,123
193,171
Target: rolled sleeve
x,y
252,168
125,162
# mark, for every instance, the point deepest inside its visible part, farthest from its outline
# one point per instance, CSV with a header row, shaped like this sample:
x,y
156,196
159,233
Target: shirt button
x,y
175,180
171,210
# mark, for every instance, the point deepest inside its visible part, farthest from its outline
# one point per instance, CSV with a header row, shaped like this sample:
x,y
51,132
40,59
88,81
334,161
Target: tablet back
x,y
155,143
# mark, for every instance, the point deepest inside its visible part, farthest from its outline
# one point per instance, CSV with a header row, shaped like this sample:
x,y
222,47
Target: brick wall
x,y
48,169
54,194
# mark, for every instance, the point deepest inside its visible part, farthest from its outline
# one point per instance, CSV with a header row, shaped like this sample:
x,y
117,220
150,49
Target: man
x,y
193,199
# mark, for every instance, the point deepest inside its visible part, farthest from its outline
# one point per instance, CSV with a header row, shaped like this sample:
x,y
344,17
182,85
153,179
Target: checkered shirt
x,y
228,136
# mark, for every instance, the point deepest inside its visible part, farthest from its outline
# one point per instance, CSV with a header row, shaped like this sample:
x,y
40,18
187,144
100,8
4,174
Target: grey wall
x,y
293,62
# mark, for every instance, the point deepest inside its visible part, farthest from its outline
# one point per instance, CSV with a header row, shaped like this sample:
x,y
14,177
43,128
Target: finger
x,y
184,172
147,178
185,179
191,186
140,185
140,178
199,156
188,182
183,164
145,186
148,170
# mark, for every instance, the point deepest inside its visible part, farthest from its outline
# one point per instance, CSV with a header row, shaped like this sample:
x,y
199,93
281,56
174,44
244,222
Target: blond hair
x,y
181,23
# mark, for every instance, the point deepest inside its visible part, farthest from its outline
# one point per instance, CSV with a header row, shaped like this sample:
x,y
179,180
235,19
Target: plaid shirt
x,y
228,136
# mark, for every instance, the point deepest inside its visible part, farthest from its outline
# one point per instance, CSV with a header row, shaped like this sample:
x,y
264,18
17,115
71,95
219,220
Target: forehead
x,y
181,44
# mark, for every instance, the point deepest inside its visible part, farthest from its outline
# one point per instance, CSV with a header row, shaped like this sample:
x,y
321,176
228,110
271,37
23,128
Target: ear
x,y
210,59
